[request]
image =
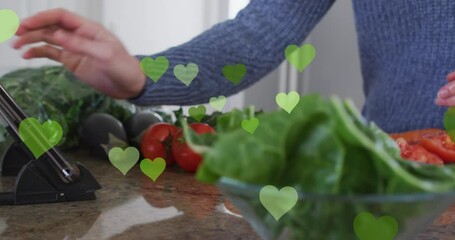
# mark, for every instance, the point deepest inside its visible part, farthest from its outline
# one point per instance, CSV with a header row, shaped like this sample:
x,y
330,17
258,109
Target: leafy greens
x,y
52,92
339,163
323,146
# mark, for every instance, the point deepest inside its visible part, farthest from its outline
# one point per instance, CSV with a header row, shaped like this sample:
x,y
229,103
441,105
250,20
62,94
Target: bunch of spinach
x,y
323,147
54,93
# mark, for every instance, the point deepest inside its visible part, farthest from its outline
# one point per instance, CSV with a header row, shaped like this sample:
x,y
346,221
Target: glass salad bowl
x,y
331,217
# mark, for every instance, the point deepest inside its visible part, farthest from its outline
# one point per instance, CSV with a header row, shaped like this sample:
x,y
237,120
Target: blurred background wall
x,y
149,26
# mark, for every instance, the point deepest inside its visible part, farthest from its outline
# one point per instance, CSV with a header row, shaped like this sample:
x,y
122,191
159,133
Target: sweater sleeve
x,y
257,38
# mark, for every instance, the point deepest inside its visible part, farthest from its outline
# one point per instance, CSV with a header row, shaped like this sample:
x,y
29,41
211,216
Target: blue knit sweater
x,y
406,47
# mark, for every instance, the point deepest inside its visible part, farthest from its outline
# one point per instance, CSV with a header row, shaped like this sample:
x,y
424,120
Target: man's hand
x,y
446,95
86,48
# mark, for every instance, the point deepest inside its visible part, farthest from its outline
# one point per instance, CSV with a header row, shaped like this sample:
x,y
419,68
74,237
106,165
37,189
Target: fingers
x,y
67,30
451,76
71,42
60,17
447,90
448,102
41,35
45,51
21,30
77,44
446,95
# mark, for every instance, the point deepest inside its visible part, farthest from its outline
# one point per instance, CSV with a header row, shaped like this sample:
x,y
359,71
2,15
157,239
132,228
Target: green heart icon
x,y
186,74
277,202
9,23
287,101
234,73
300,57
197,112
218,103
154,69
153,169
449,122
123,160
250,125
367,227
40,138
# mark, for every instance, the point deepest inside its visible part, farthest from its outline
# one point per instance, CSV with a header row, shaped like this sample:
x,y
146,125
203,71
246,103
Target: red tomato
x,y
440,143
413,136
157,141
186,158
415,152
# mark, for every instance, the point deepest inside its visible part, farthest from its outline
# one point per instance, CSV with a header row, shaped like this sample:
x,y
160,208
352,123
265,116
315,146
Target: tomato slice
x,y
416,152
441,144
414,136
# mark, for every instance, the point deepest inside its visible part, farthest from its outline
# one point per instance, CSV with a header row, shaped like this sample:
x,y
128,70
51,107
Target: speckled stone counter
x,y
176,206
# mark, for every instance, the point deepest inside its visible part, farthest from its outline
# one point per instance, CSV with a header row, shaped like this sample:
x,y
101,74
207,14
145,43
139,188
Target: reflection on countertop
x,y
176,206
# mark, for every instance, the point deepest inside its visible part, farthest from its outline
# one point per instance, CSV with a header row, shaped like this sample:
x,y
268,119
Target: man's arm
x,y
257,37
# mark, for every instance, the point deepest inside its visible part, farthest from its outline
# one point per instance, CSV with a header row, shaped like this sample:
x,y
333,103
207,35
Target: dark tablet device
x,y
50,178
13,115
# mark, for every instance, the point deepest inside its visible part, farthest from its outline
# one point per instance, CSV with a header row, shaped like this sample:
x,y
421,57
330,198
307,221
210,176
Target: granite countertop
x,y
176,206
